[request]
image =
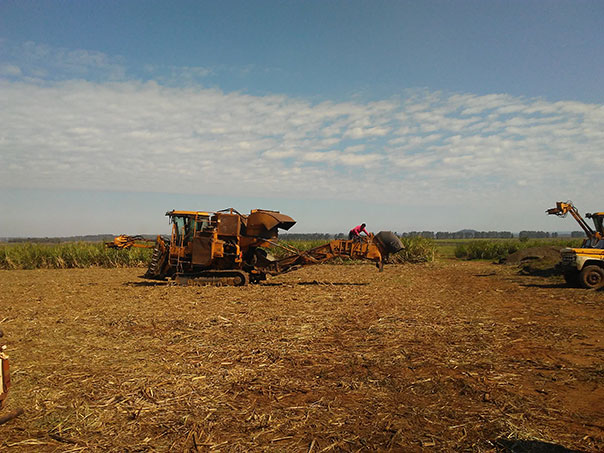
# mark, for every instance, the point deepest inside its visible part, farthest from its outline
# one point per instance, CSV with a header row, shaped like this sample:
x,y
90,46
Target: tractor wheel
x,y
592,277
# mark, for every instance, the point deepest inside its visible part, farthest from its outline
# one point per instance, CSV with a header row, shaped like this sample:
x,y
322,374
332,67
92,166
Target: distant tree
x,y
533,234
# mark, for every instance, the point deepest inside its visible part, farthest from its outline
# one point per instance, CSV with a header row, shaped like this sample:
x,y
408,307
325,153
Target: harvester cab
x,y
583,266
226,247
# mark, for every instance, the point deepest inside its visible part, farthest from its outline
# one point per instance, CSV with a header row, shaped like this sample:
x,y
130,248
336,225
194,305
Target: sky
x,y
405,115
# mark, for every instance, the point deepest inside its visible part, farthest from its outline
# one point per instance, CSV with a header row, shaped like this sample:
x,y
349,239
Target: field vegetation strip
x,y
69,255
480,249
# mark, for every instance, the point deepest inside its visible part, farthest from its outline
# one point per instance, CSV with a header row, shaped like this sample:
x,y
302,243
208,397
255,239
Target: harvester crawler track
x,y
214,278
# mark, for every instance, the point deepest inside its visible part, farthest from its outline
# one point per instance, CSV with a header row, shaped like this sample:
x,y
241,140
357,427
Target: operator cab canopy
x,y
598,219
259,223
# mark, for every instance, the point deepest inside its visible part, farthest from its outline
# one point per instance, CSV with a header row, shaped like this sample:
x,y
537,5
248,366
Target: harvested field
x,y
445,356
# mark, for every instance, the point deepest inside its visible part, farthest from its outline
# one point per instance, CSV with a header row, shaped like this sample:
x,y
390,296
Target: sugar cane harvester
x,y
226,247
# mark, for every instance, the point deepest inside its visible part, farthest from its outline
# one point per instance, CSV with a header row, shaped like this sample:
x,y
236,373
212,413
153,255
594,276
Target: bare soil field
x,y
448,356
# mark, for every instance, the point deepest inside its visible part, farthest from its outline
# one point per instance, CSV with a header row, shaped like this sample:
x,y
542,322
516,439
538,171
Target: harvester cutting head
x,y
561,209
123,241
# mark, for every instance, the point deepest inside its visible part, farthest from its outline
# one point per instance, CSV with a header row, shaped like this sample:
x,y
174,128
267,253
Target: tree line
x,y
463,234
471,234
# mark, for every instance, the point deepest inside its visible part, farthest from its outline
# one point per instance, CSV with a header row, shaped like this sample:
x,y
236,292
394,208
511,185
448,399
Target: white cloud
x,y
360,133
32,60
10,70
428,147
41,61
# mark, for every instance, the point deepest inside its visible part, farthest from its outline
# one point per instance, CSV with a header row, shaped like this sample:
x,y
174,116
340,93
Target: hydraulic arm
x,y
562,209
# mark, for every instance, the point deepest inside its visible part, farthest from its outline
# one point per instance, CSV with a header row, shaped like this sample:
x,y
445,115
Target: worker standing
x,y
356,231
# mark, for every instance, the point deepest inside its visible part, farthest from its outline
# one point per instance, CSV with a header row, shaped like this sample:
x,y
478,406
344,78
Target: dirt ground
x,y
448,356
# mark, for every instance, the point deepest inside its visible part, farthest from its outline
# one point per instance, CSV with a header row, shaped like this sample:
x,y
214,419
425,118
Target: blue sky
x,y
404,115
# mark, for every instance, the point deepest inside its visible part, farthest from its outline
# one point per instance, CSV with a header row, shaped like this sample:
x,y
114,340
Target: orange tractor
x,y
230,248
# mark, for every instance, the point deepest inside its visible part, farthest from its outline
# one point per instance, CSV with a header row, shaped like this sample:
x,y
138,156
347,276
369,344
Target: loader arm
x,y
562,209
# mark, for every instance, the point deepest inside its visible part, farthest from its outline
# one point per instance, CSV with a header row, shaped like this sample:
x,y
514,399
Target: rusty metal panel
x,y
201,251
265,223
228,224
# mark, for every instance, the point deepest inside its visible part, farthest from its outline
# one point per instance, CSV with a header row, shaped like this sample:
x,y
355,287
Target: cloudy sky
x,y
414,115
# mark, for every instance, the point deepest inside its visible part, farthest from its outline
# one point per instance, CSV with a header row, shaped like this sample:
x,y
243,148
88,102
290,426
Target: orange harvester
x,y
227,247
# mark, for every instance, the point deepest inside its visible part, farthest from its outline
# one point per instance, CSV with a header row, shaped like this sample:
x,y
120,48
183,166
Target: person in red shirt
x,y
356,231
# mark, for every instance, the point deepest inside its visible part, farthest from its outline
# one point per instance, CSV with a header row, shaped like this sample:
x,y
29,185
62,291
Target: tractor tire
x,y
592,277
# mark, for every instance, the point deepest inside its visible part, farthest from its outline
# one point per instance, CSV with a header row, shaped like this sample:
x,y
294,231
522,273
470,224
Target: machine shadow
x,y
147,283
315,283
529,446
547,285
311,283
